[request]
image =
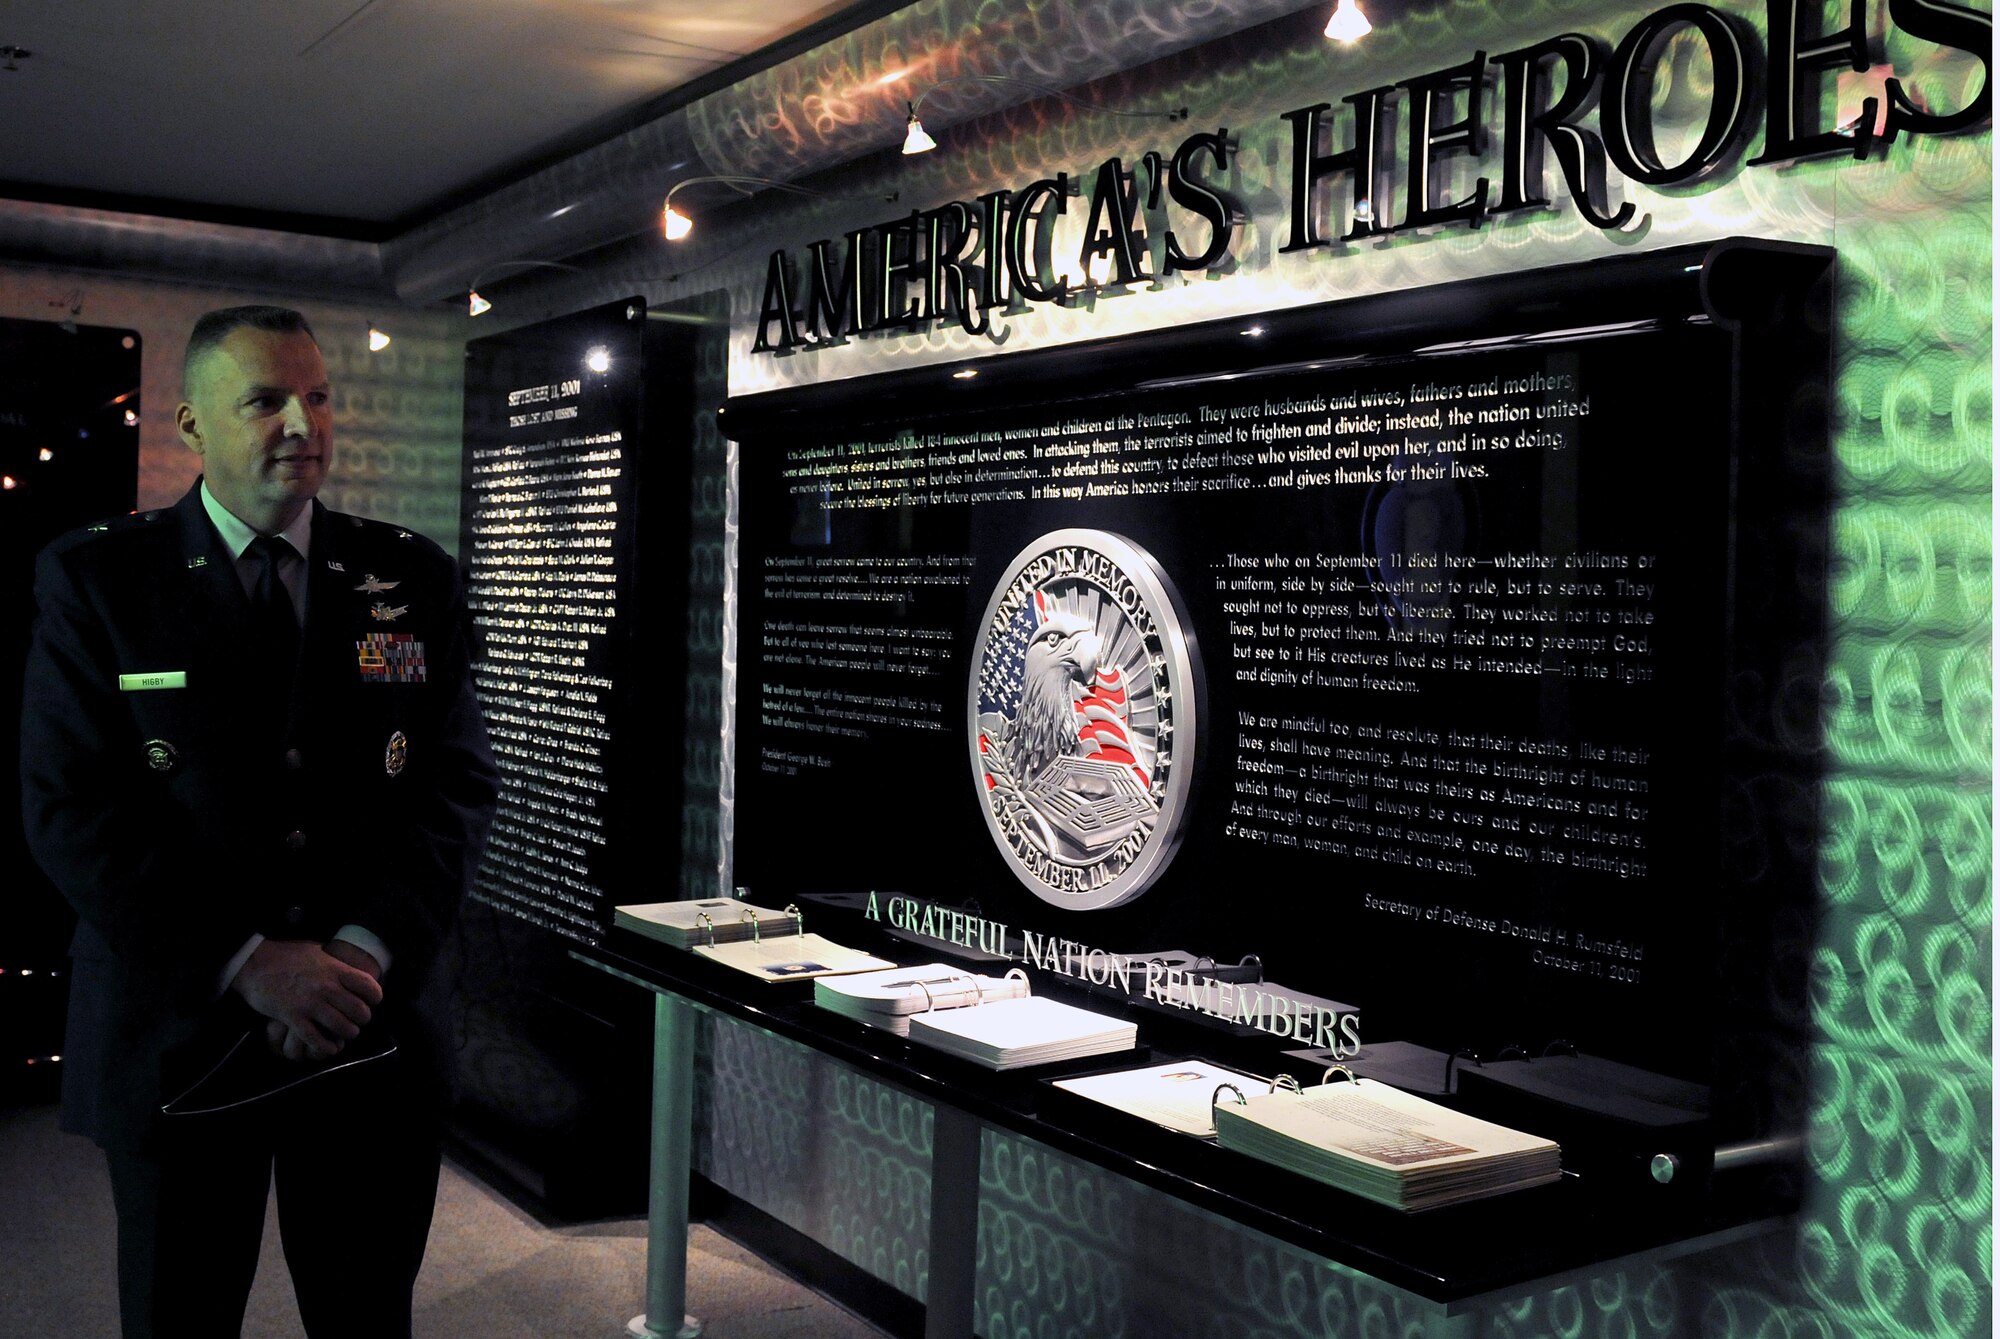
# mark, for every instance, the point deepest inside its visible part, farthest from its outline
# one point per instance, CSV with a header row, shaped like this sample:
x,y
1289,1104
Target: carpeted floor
x,y
493,1270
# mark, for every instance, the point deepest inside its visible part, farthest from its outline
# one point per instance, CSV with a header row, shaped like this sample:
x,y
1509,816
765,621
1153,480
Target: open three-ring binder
x,y
887,999
1179,1095
701,920
1026,1030
1382,1143
769,945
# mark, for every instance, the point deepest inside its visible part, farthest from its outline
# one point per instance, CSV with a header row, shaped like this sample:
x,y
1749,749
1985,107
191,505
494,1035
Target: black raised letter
x,y
1426,137
1362,158
946,287
838,306
777,306
1947,25
1023,270
895,307
1196,196
1628,95
1794,100
1113,201
1579,152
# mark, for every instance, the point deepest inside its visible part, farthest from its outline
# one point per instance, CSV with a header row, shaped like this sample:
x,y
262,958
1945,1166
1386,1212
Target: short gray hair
x,y
216,326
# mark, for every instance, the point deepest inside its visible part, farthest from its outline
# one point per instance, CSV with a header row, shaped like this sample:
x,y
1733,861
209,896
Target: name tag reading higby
x,y
143,683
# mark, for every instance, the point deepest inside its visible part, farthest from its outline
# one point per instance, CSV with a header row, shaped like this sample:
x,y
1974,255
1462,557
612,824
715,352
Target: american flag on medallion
x,y
1103,731
1101,713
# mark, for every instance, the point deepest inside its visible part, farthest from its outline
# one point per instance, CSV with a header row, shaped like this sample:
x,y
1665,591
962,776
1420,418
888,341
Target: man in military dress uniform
x,y
253,762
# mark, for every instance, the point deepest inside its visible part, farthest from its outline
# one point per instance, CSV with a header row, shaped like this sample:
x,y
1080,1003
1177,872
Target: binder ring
x,y
756,930
1287,1082
701,918
1241,1100
1561,1045
1326,1075
1252,960
1515,1052
1018,974
1204,962
798,918
1451,1062
930,1002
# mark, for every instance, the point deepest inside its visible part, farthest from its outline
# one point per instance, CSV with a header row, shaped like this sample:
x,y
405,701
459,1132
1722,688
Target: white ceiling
x,y
350,114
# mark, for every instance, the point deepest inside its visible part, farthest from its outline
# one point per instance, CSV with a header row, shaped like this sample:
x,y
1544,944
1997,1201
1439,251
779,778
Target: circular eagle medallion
x,y
1082,708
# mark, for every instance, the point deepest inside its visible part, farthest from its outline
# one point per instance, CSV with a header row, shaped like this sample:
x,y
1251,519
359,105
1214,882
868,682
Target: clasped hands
x,y
315,997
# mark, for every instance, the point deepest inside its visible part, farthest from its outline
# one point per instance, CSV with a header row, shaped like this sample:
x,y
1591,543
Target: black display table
x,y
1452,1258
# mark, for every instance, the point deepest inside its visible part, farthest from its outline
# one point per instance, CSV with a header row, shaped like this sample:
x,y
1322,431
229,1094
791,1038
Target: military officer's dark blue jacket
x,y
179,816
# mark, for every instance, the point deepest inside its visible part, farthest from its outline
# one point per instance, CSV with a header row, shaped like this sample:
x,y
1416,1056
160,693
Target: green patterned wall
x,y
1895,1237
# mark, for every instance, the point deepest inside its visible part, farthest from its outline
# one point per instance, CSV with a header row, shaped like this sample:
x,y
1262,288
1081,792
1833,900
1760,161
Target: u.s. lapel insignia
x,y
197,561
383,613
161,756
404,534
333,566
397,754
375,585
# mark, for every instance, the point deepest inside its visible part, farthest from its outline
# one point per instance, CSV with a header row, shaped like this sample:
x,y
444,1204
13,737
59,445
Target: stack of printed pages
x,y
1008,1034
702,920
888,999
1385,1144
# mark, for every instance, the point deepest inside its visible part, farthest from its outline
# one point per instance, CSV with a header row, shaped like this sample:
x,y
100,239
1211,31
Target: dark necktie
x,y
275,620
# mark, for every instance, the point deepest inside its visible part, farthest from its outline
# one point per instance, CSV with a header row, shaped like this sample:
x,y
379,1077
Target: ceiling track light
x,y
1348,23
378,339
675,225
918,140
476,305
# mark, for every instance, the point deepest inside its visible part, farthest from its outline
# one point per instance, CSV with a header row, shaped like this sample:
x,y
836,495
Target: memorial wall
x,y
552,418
1403,674
884,555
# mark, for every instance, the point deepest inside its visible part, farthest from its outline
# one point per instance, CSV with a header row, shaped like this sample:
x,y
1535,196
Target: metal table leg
x,y
948,1299
667,1201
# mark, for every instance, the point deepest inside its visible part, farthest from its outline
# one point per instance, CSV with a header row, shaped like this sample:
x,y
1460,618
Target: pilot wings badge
x,y
384,613
373,586
1082,710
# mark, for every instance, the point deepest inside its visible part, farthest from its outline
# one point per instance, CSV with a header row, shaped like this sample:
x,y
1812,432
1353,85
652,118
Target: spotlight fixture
x,y
45,455
675,225
476,305
378,340
917,140
598,359
1348,23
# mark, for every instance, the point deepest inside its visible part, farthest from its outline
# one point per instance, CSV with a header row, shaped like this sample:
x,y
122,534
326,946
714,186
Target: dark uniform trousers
x,y
179,825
